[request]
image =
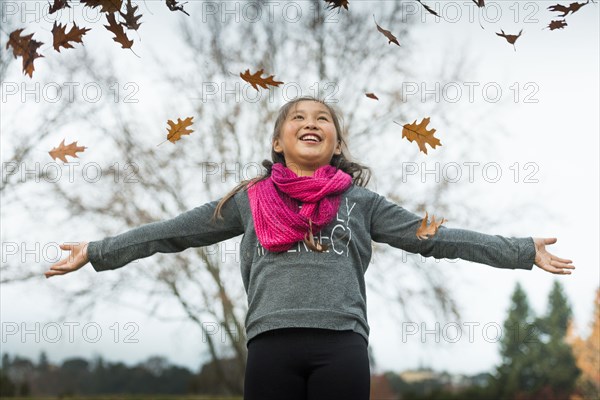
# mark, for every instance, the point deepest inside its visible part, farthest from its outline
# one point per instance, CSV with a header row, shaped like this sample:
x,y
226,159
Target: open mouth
x,y
309,137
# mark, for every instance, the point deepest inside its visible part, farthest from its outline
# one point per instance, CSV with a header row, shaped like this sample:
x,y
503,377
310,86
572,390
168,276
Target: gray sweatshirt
x,y
299,287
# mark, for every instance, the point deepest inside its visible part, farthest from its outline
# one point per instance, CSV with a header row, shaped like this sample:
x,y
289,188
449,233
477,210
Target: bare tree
x,y
337,55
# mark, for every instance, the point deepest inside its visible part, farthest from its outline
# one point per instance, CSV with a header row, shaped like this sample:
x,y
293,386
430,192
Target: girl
x,y
306,326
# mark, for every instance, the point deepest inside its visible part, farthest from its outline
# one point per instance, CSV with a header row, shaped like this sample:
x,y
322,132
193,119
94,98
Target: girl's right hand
x,y
77,259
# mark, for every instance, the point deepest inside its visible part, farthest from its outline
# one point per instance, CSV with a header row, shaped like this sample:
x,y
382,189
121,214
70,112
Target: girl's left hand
x,y
549,262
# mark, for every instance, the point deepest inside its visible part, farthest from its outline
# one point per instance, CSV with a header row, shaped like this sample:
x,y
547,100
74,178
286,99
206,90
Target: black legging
x,y
307,364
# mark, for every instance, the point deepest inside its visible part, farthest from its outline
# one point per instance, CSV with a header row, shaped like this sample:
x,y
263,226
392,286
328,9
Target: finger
x,y
65,267
558,264
53,273
564,260
60,263
550,240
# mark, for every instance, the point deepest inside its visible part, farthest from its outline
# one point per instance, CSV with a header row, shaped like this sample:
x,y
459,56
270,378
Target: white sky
x,y
559,134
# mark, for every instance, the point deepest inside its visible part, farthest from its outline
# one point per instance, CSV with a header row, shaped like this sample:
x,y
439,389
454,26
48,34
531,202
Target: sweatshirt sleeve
x,y
189,229
392,224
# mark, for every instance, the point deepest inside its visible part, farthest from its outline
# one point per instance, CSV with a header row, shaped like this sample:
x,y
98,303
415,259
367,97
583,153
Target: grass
x,y
133,397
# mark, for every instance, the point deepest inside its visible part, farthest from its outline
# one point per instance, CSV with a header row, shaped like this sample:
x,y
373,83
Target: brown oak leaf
x,y
25,47
117,29
573,7
333,4
420,134
175,130
372,96
131,20
510,38
58,5
557,24
255,79
426,231
386,33
61,38
69,150
107,6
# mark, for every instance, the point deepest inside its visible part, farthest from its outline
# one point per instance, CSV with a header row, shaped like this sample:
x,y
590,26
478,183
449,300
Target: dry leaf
x,y
117,29
25,47
573,7
58,5
310,241
386,33
426,231
557,24
177,129
173,6
431,11
107,6
420,134
333,4
131,20
62,39
62,151
510,38
255,79
372,96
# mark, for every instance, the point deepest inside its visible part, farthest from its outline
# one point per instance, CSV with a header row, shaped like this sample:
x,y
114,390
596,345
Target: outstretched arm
x,y
392,224
190,229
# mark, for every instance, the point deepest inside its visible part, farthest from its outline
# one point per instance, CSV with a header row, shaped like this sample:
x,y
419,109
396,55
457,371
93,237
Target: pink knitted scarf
x,y
274,201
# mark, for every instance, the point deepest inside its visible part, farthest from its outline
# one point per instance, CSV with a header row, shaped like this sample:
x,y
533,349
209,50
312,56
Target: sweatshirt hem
x,y
308,318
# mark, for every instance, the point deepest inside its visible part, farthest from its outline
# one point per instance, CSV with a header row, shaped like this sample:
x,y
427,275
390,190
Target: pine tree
x,y
558,364
519,349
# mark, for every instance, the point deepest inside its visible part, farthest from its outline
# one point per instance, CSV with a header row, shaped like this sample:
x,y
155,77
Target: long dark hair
x,y
360,173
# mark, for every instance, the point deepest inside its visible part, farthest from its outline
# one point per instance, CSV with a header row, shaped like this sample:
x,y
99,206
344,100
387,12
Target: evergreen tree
x,y
558,364
519,349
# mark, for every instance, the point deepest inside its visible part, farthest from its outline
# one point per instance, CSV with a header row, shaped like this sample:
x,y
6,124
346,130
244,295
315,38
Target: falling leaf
x,y
386,33
173,6
426,231
180,128
62,151
557,24
431,11
58,5
510,38
479,3
62,39
309,239
107,6
117,29
420,134
573,7
25,47
131,20
255,79
333,4
372,96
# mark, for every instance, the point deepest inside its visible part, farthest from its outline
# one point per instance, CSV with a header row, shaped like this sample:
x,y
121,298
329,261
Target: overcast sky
x,y
551,131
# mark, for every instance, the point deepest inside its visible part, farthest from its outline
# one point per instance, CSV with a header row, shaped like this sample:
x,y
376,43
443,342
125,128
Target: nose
x,y
310,124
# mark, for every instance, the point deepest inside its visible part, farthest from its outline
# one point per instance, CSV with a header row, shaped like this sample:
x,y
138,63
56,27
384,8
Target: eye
x,y
325,118
297,116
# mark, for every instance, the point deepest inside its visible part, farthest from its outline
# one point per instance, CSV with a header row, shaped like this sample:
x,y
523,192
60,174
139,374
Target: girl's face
x,y
305,156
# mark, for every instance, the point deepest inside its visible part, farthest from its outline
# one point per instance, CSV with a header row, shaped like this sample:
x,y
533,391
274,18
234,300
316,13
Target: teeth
x,y
312,138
